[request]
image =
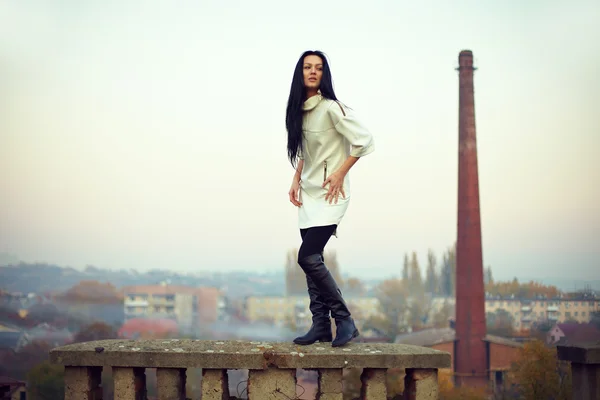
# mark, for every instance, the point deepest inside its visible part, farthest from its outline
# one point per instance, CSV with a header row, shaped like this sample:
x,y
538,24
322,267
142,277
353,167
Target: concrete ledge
x,y
189,353
581,354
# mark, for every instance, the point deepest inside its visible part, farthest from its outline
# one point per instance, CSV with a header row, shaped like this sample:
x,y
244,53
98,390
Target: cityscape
x,y
148,250
91,305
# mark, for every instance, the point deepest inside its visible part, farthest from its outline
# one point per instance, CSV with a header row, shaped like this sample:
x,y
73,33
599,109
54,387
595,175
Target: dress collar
x,y
312,102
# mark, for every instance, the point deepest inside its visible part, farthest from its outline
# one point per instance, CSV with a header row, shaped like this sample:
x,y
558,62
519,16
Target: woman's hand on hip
x,y
335,181
295,192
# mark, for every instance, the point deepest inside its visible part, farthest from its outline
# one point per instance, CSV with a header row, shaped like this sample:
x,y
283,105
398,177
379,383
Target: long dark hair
x,y
293,114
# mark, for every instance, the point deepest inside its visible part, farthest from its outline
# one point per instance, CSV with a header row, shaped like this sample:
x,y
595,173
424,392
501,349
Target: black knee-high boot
x,y
320,329
315,268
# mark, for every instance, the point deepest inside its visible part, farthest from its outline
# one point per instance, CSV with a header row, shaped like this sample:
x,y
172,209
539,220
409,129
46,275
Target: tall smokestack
x,y
470,349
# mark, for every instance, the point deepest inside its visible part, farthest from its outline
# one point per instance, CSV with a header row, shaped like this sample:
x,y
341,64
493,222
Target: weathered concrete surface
x,y
421,384
129,383
331,385
272,384
82,383
189,353
215,385
170,383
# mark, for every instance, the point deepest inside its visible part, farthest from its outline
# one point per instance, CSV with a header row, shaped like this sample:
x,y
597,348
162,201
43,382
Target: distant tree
x,y
442,317
95,331
92,292
487,276
529,290
392,295
415,278
355,286
431,283
45,381
405,268
448,273
540,375
500,323
331,261
17,364
419,307
295,279
356,310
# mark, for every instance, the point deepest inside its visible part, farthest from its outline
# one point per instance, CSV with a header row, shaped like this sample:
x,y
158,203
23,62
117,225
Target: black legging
x,y
314,240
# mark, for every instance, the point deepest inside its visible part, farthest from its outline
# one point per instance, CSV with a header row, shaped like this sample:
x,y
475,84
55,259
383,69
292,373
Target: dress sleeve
x,y
352,129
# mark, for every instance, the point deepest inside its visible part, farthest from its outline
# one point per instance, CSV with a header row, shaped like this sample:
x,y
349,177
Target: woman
x,y
324,142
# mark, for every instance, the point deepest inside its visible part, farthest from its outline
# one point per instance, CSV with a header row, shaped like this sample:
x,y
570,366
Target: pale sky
x,y
145,134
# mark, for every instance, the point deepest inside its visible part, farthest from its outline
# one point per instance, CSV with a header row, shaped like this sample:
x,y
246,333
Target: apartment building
x,y
285,309
525,312
188,306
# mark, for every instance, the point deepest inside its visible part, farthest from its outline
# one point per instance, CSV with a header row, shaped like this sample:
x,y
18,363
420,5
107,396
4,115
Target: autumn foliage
x,y
450,392
17,364
528,290
95,331
45,381
92,292
539,374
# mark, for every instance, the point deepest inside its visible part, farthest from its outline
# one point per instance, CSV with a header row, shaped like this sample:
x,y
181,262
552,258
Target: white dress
x,y
331,134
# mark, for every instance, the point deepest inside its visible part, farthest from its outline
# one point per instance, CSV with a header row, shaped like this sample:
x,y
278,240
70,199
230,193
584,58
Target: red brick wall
x,y
502,356
448,348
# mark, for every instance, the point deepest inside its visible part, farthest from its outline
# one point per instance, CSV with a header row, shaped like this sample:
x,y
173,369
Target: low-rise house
x,y
572,333
12,389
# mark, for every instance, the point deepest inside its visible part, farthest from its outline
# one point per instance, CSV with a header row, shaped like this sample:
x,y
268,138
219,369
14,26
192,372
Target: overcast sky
x,y
145,134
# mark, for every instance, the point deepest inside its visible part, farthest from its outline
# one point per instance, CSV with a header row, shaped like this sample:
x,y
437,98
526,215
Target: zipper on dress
x,y
324,170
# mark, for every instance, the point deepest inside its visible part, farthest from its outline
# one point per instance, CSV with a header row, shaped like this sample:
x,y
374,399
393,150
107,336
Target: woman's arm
x,y
298,173
295,189
350,161
361,142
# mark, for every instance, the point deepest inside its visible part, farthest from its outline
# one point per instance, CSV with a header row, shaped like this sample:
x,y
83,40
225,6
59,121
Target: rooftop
x,y
431,337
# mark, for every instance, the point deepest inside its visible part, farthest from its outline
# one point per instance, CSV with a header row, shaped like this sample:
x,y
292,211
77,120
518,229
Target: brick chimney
x,y
470,349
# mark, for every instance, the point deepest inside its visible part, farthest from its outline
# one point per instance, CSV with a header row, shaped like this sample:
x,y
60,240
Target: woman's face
x,y
313,72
